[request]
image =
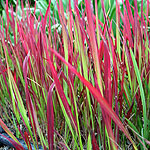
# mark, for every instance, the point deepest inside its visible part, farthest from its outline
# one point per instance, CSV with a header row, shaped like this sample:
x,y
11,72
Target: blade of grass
x,y
89,145
141,92
50,118
93,45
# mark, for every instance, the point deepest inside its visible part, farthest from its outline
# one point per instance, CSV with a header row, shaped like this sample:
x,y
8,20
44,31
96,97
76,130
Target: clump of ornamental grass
x,y
72,84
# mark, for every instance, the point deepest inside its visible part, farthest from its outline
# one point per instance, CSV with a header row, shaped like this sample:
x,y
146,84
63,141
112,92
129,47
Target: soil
x,y
4,147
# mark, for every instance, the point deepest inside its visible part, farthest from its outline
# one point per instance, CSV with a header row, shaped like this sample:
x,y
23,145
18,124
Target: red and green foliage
x,y
75,83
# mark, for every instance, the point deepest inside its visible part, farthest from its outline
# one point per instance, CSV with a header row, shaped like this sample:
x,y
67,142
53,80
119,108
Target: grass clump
x,y
75,81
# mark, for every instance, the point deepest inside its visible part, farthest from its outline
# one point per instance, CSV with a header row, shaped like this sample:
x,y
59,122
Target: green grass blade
x,y
141,92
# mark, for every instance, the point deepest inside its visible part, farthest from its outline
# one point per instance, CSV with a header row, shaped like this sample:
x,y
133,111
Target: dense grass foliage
x,y
69,80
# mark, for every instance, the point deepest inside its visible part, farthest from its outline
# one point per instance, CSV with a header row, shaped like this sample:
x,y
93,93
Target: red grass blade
x,y
130,14
50,118
46,15
93,43
94,142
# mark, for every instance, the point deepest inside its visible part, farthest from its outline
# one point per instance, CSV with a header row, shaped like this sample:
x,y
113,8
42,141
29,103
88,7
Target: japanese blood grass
x,y
135,61
81,83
